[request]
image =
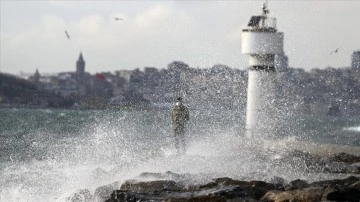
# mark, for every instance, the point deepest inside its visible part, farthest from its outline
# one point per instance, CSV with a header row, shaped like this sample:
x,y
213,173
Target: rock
x,y
149,186
121,196
356,185
341,167
309,159
225,181
102,193
253,189
313,194
207,186
243,190
343,194
82,195
230,192
278,182
344,157
167,175
331,183
197,199
297,184
256,192
158,187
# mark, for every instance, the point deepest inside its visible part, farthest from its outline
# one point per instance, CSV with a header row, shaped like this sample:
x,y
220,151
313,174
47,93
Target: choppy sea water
x,y
46,155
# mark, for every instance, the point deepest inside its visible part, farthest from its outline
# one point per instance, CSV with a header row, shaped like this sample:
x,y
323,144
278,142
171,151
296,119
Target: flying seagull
x,y
117,18
334,51
67,34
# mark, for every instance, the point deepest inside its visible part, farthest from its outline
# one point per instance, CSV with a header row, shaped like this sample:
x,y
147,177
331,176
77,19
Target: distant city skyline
x,y
118,35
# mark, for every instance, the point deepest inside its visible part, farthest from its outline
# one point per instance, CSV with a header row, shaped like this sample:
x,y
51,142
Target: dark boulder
x,y
102,193
331,183
197,199
226,181
122,196
167,175
341,167
343,194
356,185
82,195
297,184
344,157
150,186
312,194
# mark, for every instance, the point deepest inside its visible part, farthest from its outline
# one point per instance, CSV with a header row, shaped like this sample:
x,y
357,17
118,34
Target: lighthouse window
x,y
254,21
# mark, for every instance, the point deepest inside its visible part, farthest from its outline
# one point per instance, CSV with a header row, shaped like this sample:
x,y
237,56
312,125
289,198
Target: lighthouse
x,y
261,41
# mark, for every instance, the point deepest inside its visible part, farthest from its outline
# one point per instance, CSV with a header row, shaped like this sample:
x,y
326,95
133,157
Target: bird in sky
x,y
67,34
334,51
117,18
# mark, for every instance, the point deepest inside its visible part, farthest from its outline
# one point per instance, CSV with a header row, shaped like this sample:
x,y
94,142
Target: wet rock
x,y
278,182
206,186
150,186
157,187
82,195
225,181
312,194
336,182
214,194
297,184
343,194
231,189
197,199
166,175
309,159
256,192
344,157
102,193
122,196
356,185
262,184
230,192
341,167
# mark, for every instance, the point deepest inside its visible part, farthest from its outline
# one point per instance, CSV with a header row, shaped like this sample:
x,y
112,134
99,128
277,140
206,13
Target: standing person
x,y
179,117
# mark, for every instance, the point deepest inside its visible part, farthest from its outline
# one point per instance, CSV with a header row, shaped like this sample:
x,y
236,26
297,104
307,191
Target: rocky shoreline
x,y
173,187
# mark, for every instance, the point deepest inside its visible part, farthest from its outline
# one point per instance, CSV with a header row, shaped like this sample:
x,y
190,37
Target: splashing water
x,y
356,128
46,155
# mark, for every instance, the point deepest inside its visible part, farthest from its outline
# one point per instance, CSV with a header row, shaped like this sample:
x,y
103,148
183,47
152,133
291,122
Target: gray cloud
x,y
200,33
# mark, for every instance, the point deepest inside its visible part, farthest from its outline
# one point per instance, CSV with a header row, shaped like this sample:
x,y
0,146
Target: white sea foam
x,y
98,163
116,149
355,128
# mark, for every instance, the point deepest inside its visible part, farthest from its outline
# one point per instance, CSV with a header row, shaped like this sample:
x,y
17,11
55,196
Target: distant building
x,y
80,74
80,68
67,84
126,74
355,60
36,77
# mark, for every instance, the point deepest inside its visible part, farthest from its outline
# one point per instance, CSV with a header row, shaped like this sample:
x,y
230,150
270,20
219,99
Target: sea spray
x,y
76,150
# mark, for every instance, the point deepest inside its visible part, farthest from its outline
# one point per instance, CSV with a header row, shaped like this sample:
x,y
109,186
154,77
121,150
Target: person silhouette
x,y
179,118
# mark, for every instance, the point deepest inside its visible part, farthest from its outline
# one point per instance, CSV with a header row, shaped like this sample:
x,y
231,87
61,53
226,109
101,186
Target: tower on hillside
x,y
36,77
261,41
80,68
80,75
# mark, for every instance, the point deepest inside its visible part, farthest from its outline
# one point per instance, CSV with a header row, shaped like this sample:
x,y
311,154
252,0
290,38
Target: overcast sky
x,y
155,33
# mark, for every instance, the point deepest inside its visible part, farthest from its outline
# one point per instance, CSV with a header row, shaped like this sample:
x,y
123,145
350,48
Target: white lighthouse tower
x,y
261,41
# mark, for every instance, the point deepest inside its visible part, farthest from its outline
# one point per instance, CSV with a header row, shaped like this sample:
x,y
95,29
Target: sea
x,y
49,154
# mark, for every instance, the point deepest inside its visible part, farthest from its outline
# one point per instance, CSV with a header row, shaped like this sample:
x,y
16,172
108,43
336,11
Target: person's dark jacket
x,y
179,116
